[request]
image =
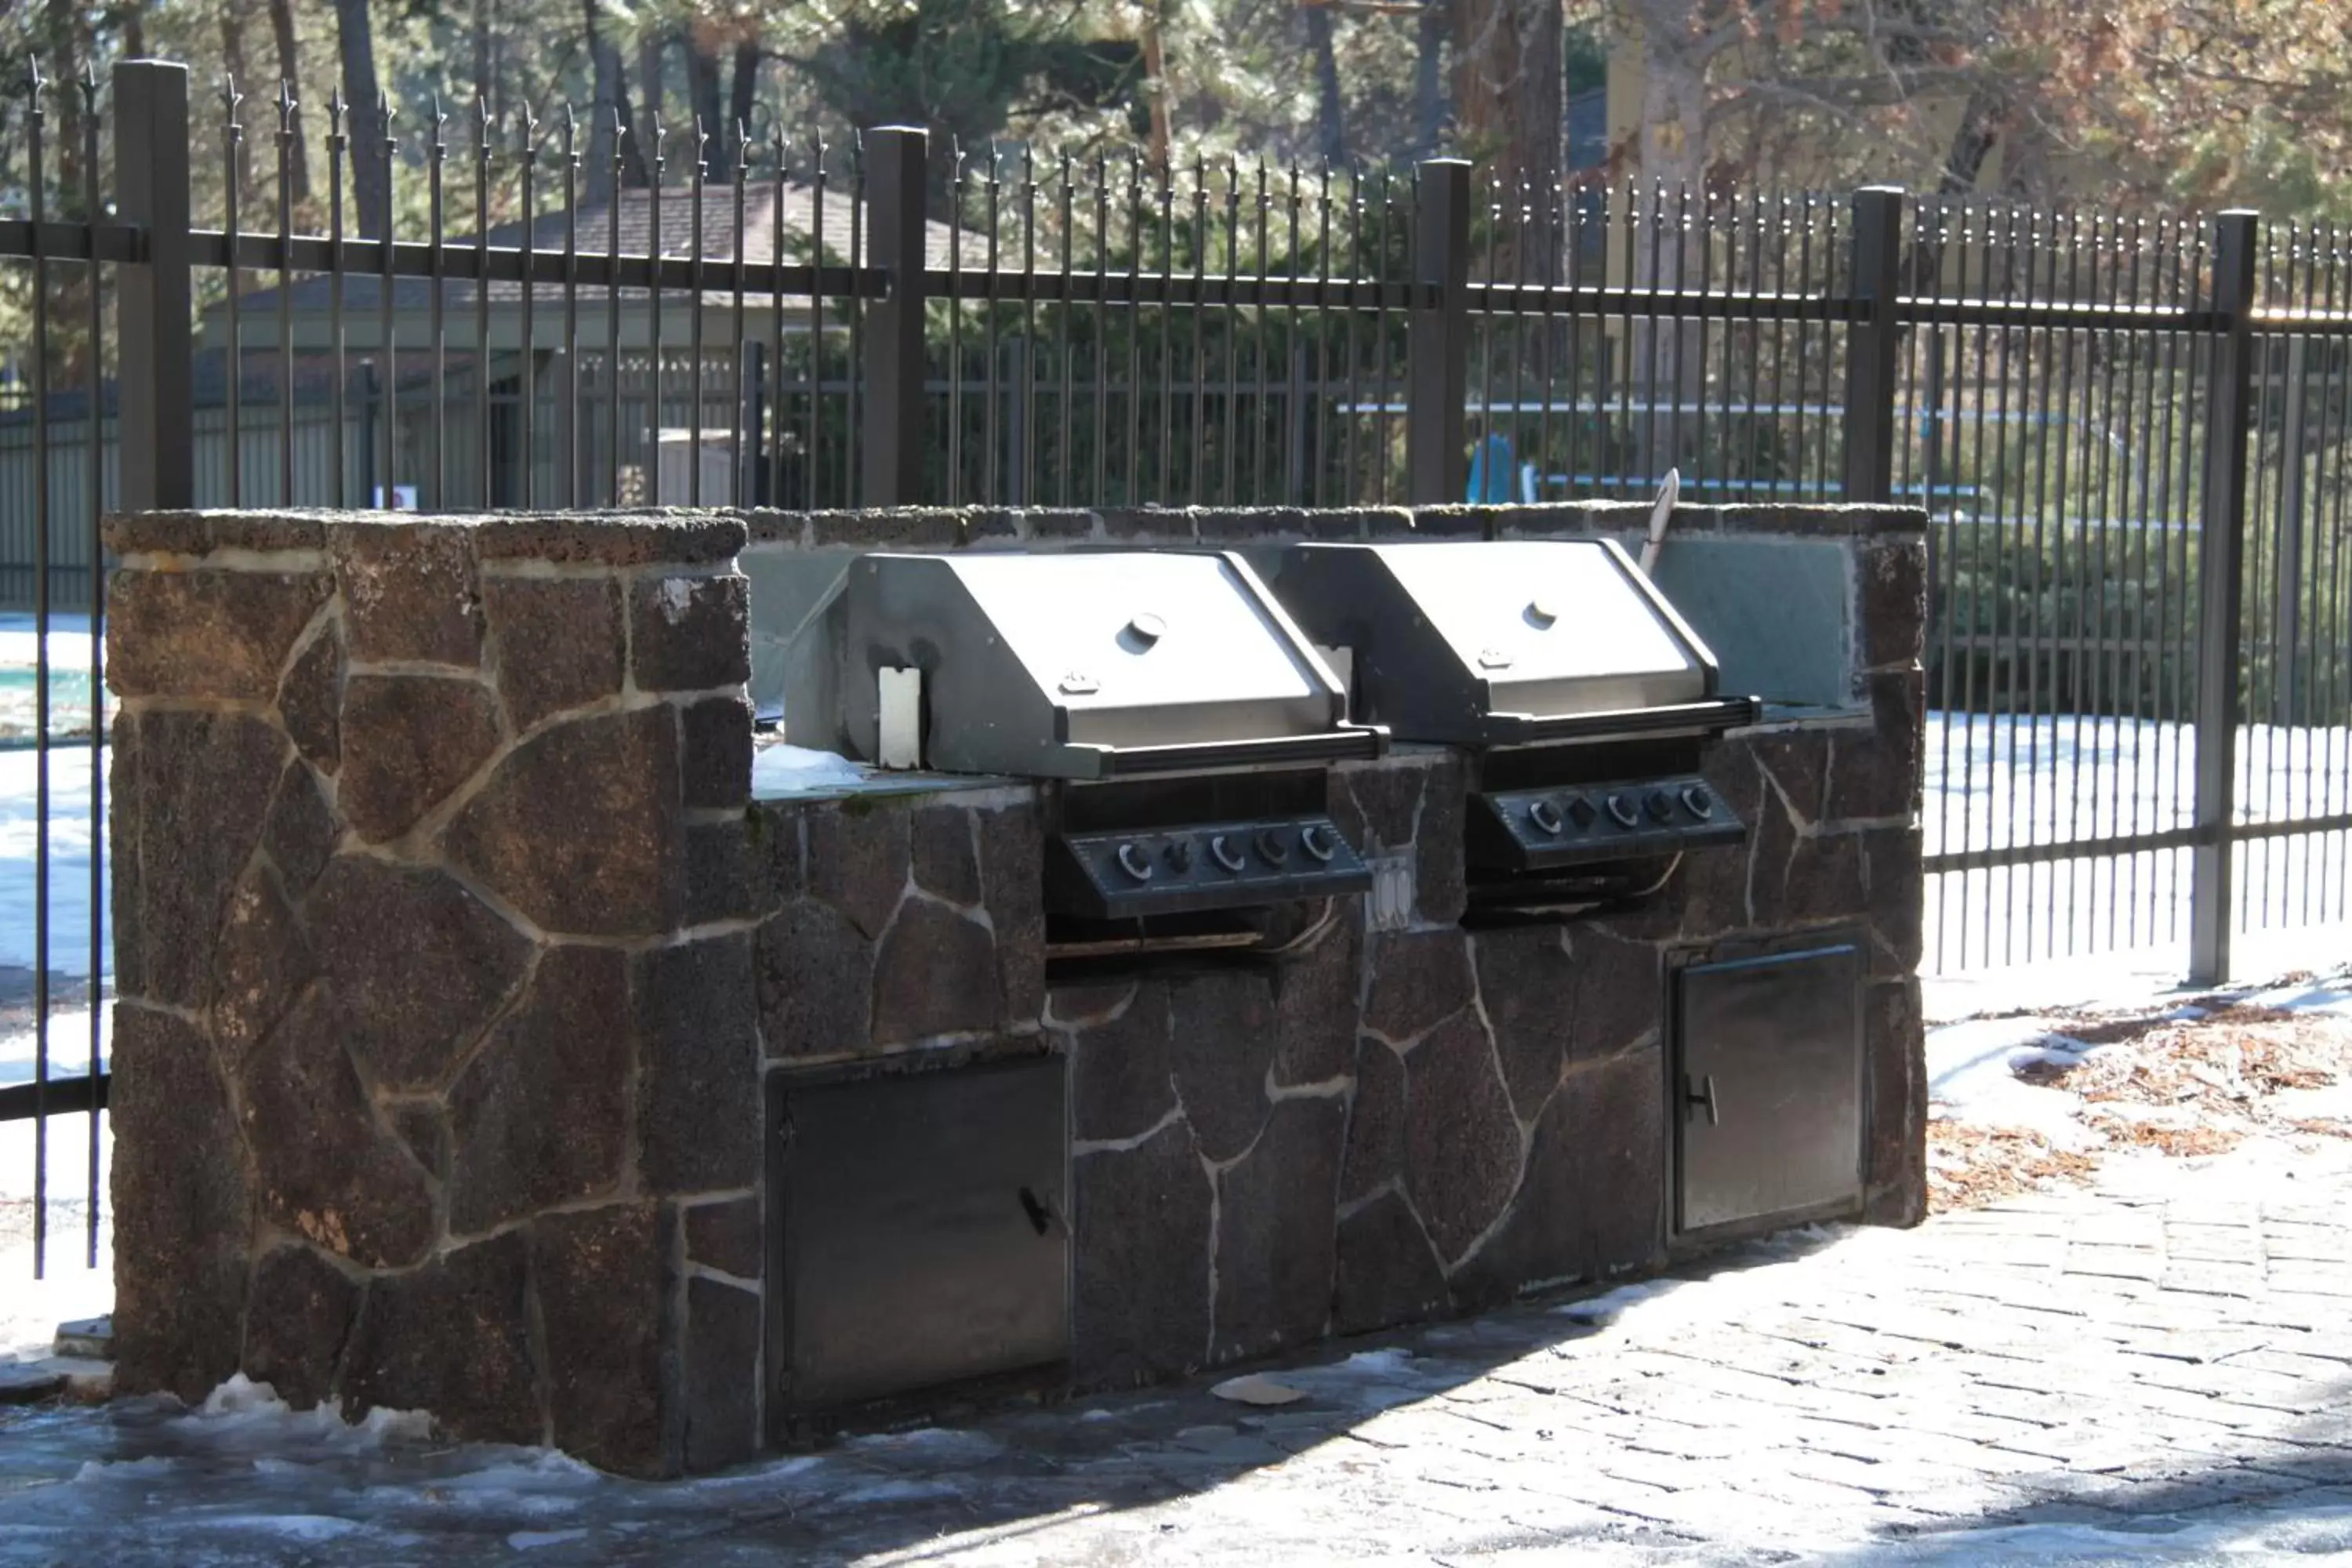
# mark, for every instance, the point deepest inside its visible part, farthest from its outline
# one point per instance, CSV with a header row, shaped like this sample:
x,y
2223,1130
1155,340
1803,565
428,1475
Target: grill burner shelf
x,y
1124,874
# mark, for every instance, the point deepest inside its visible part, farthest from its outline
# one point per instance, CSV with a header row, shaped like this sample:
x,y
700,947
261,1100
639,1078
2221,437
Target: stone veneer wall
x,y
425,1089
450,958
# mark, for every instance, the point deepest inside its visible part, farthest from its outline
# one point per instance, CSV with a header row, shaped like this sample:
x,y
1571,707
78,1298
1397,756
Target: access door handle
x,y
1701,1094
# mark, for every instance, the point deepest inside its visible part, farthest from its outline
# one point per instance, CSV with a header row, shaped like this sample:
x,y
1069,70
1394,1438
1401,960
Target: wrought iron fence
x,y
2129,432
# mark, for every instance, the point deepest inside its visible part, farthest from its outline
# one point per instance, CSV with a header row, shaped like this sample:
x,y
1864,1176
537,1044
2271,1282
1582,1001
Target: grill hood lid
x,y
1092,665
1506,642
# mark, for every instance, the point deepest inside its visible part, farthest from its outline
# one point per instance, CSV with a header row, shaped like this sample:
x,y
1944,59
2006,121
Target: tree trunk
x,y
370,178
650,99
1330,123
702,89
1507,94
1429,82
233,60
290,75
611,121
1155,76
743,95
1674,142
485,71
1972,144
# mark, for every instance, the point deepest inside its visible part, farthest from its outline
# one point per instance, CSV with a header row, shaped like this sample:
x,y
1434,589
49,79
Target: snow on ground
x,y
1995,781
69,840
1972,1076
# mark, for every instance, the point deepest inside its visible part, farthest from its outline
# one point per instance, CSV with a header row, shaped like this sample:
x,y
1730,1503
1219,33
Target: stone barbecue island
x,y
510,1027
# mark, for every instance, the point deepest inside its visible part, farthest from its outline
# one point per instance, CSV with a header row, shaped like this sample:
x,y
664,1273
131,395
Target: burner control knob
x,y
1317,841
1226,853
1698,802
1580,811
1623,809
1180,855
1545,816
1271,847
1661,806
1135,862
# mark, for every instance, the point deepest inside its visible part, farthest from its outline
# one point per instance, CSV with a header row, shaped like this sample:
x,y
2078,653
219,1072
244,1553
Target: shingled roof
x,y
799,211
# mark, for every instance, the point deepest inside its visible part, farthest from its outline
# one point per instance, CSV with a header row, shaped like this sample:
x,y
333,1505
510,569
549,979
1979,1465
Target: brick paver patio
x,y
2147,1366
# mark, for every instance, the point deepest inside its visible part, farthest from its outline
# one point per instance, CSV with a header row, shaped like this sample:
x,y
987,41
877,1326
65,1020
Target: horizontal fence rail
x,y
2129,434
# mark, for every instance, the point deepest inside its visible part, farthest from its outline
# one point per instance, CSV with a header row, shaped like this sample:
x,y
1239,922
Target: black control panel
x,y
1121,874
1538,828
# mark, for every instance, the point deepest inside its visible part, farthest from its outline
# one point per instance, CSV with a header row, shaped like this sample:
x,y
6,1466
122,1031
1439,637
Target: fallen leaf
x,y
1253,1388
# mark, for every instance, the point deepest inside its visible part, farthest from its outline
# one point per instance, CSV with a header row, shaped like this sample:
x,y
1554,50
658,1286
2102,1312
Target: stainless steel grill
x,y
1585,701
1123,674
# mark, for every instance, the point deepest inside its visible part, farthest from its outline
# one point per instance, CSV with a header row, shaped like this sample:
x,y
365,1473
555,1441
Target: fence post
x,y
2221,592
155,426
897,159
1437,381
1871,343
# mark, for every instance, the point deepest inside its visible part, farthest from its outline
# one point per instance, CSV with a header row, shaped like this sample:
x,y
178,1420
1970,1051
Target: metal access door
x,y
924,1241
1768,1067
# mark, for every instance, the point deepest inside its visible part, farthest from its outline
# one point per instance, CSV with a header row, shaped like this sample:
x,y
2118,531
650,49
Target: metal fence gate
x,y
2129,434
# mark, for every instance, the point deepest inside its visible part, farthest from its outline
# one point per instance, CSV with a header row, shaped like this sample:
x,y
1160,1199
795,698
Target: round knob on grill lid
x,y
1270,845
1316,840
1661,806
1698,802
1626,811
1223,850
1580,811
1139,635
1541,614
1135,862
1545,816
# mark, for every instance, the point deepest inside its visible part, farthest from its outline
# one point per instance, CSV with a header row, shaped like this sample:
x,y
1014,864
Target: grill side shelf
x,y
1712,717
1352,743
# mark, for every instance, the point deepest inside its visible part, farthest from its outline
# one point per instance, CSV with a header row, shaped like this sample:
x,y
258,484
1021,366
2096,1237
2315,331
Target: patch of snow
x,y
1609,1306
2247,1533
244,1410
784,768
677,598
94,1471
30,1309
1972,1076
942,1442
308,1527
1394,1361
894,1490
530,1539
2331,994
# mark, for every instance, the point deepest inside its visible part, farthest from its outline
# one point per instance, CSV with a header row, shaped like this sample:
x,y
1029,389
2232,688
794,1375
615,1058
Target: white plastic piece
x,y
900,694
1661,516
